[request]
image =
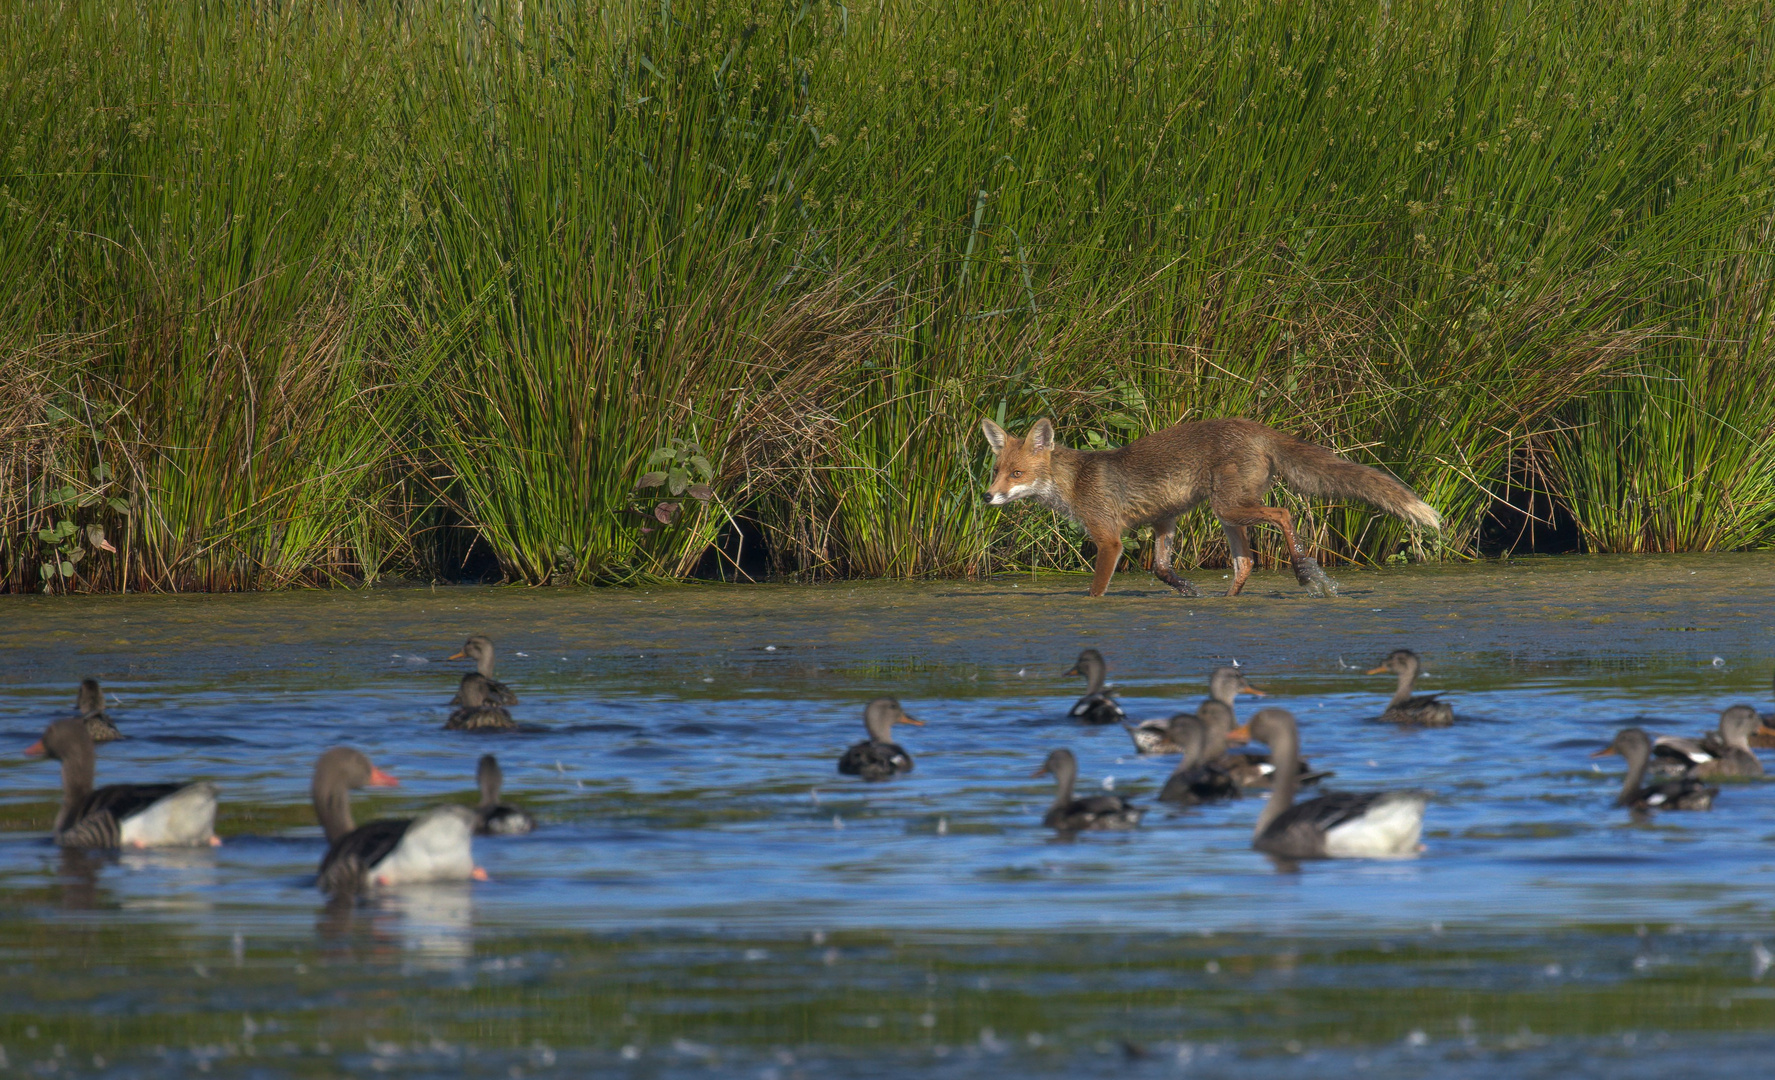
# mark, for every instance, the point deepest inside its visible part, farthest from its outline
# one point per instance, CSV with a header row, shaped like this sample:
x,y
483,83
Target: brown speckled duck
x,y
1423,710
1091,813
478,708
90,706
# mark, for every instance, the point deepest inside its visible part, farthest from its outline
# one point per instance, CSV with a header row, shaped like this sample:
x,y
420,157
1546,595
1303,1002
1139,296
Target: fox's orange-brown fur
x,y
1228,464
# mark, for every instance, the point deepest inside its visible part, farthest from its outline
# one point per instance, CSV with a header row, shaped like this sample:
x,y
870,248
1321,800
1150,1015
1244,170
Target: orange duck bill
x,y
1610,751
1240,734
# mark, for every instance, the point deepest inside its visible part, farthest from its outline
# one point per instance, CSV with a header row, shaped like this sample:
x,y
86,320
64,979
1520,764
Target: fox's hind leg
x,y
1164,532
1306,568
1238,546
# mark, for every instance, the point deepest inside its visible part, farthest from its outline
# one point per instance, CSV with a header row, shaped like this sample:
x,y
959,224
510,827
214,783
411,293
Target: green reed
x,y
300,278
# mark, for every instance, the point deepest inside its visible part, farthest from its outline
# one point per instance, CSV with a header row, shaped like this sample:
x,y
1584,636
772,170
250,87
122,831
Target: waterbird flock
x,y
437,844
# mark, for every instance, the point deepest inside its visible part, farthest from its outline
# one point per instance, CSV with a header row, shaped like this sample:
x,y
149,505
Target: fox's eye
x,y
1015,473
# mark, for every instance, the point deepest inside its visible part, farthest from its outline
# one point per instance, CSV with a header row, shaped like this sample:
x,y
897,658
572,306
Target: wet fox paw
x,y
1317,581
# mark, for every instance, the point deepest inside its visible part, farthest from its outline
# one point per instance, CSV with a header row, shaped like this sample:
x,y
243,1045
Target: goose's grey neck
x,y
1285,756
332,795
77,781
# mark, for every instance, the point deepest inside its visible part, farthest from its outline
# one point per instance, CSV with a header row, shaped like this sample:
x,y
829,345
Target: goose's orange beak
x,y
459,655
1240,734
1382,670
378,778
35,749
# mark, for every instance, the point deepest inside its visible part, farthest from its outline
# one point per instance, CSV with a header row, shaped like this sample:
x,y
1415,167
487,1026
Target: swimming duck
x,y
1683,793
435,846
1092,812
480,649
1247,769
1336,825
1153,736
879,757
1098,706
91,706
121,815
1717,754
1195,781
1421,711
477,707
494,818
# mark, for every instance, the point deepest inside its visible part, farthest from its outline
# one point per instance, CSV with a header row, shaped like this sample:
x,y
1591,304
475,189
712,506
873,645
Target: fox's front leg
x,y
1109,549
1163,534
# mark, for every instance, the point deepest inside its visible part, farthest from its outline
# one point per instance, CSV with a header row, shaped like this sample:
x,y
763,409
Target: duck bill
x,y
1254,691
904,719
1607,751
1765,730
1073,670
459,655
1043,771
35,749
1382,670
1240,734
378,778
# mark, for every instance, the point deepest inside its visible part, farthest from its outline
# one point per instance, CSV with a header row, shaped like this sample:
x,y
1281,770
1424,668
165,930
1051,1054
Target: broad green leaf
x,y
652,479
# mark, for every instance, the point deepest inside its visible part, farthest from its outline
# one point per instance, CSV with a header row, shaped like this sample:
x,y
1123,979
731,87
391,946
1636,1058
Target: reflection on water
x,y
706,892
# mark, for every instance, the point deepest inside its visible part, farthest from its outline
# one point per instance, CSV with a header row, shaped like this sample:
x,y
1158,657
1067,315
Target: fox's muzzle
x,y
997,498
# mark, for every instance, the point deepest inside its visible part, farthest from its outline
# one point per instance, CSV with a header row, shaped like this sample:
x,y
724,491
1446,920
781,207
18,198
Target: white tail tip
x,y
1421,513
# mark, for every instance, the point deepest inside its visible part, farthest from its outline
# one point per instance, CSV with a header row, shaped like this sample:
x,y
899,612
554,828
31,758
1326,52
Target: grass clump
x,y
311,282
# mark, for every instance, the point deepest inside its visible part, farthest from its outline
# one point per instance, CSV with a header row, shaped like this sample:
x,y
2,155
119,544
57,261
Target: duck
x,y
878,757
1421,711
492,817
121,815
1152,737
1195,780
91,705
1094,812
1683,793
477,707
1246,768
479,648
1765,735
1715,755
1336,825
1098,706
435,846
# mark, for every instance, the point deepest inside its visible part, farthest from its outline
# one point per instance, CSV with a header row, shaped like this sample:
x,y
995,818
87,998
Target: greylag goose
x,y
1682,793
1336,825
878,757
494,818
1154,736
477,707
1098,706
90,704
1716,755
480,649
1094,812
1195,780
121,815
435,846
1423,710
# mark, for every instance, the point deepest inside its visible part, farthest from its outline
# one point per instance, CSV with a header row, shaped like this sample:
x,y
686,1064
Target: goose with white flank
x,y
1098,706
1683,793
1717,755
1423,710
1336,825
1093,812
122,815
435,846
878,757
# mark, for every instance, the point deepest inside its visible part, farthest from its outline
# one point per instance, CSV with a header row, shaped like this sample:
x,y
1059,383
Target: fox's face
x,y
1023,469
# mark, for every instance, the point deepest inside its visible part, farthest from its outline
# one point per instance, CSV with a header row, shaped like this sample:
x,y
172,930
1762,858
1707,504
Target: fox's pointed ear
x,y
995,435
1041,436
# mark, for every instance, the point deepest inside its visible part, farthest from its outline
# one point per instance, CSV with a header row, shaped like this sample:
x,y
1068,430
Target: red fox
x,y
1155,479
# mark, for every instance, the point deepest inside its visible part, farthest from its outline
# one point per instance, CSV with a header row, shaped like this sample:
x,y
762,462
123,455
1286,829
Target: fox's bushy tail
x,y
1311,469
